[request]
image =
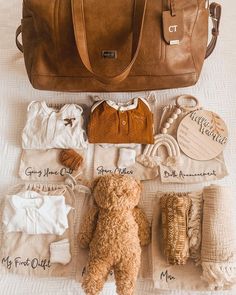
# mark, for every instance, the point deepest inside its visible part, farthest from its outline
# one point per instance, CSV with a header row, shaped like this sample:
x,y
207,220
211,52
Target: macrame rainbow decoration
x,y
150,157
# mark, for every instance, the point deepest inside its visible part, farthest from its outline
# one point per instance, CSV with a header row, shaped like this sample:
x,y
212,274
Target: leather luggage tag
x,y
173,27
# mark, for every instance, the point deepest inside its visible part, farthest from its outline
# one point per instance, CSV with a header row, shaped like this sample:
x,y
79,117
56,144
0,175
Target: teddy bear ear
x,y
95,182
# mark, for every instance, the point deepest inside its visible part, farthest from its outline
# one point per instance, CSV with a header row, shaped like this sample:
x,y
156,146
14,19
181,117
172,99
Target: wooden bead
x,y
167,125
170,120
174,116
164,131
178,111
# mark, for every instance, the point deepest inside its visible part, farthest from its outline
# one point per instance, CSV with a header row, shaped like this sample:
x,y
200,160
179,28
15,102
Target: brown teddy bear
x,y
114,230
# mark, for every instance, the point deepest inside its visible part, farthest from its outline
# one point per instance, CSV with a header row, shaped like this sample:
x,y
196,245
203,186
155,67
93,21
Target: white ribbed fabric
x,y
218,251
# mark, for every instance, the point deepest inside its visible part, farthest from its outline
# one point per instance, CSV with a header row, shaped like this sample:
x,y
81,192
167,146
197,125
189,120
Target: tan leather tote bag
x,y
118,45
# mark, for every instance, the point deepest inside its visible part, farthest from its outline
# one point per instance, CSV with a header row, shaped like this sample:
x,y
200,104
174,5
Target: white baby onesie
x,y
33,213
49,128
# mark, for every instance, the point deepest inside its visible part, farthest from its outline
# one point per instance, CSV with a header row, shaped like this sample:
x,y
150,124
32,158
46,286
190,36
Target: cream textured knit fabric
x,y
218,251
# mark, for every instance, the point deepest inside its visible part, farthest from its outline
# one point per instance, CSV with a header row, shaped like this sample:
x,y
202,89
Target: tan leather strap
x,y
18,44
215,14
82,46
172,8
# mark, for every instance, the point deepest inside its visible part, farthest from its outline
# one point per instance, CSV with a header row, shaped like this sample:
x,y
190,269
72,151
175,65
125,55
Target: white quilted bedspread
x,y
216,90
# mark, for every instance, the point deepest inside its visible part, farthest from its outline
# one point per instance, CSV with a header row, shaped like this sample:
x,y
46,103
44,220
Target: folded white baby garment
x,y
38,255
60,252
126,157
48,127
33,213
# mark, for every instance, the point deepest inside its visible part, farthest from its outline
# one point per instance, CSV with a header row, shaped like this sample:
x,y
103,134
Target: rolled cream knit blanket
x,y
218,252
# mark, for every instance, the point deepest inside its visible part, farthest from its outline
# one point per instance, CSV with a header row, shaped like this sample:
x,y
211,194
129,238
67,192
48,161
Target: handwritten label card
x,y
202,135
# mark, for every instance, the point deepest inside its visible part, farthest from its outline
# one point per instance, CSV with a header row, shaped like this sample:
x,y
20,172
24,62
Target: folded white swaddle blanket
x,y
218,252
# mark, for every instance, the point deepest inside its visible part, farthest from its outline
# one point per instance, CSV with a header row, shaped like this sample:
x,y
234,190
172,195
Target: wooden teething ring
x,y
187,107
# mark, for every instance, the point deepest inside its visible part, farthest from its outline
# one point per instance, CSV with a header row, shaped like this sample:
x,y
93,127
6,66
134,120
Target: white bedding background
x,y
216,91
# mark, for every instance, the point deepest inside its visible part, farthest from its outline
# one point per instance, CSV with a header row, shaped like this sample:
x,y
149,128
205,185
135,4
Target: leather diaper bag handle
x,y
139,16
80,37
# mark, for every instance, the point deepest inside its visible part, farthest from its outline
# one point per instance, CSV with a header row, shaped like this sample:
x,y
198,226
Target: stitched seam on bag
x,y
194,26
55,27
76,26
33,56
91,77
162,54
84,31
31,64
133,23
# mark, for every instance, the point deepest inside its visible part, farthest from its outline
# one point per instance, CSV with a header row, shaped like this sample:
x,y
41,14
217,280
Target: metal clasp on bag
x,y
213,13
174,42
